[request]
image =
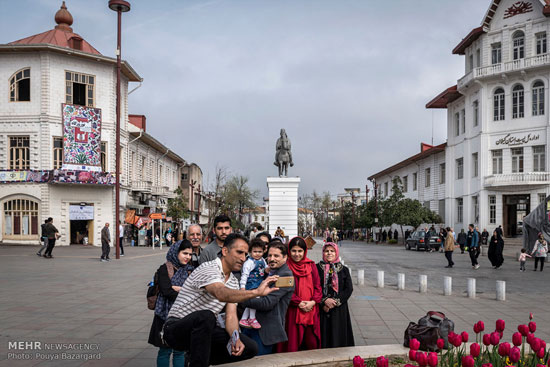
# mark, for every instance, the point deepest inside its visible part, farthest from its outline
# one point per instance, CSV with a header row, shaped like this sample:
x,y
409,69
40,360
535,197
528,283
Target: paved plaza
x,y
75,298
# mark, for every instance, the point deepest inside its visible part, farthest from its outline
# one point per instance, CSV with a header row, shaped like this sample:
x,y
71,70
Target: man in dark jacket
x,y
473,245
43,238
52,233
271,309
105,241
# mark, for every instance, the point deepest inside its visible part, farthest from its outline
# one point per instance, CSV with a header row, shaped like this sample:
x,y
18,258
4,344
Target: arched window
x,y
518,99
518,40
538,98
20,219
20,86
498,105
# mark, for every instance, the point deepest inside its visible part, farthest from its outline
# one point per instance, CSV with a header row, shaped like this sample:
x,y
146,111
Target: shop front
x,y
81,224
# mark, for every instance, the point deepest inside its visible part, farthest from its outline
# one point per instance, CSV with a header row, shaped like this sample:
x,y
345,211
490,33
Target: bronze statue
x,y
283,157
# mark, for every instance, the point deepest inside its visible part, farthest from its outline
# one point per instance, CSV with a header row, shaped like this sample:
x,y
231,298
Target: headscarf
x,y
304,283
181,273
335,266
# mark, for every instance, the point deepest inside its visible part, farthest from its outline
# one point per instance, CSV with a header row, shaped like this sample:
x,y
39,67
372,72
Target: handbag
x,y
426,335
439,320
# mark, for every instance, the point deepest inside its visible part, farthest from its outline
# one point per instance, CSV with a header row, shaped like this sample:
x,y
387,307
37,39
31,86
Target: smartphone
x,y
284,282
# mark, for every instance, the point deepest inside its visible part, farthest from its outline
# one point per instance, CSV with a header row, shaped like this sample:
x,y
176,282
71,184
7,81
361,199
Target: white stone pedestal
x,y
283,204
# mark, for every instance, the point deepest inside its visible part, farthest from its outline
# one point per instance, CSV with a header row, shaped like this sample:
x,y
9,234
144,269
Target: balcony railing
x,y
510,66
513,179
143,186
160,190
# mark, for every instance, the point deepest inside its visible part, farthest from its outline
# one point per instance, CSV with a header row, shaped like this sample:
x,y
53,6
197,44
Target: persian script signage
x,y
513,140
79,212
521,7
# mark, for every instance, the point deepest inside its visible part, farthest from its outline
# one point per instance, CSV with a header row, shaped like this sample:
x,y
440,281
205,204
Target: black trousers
x,y
121,248
474,254
206,343
541,259
51,245
449,256
105,249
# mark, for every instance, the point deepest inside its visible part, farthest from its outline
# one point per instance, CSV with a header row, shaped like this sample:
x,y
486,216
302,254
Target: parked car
x,y
417,241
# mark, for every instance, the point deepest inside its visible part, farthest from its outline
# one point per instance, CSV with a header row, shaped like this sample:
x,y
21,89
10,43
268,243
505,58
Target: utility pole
x,y
353,216
376,206
192,185
199,207
342,213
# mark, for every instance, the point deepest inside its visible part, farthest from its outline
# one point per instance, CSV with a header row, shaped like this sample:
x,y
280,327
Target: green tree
x,y
177,207
237,196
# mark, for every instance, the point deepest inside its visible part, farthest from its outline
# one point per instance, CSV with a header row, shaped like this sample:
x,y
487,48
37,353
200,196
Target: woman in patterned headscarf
x,y
170,277
336,330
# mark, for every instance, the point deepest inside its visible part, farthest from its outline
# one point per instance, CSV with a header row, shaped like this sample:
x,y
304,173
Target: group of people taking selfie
x,y
242,298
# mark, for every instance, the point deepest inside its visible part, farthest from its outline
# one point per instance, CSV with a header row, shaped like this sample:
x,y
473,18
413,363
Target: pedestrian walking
x,y
443,238
105,243
53,234
384,235
449,247
473,245
462,239
522,258
43,238
390,234
121,237
395,235
540,251
496,247
170,277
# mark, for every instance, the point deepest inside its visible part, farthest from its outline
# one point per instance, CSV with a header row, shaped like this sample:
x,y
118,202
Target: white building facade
x,y
497,119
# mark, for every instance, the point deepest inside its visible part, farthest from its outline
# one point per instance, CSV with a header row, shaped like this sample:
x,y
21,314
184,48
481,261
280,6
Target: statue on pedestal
x,y
283,156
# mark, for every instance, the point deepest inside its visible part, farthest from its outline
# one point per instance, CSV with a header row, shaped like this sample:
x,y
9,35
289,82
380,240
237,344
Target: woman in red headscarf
x,y
336,329
302,322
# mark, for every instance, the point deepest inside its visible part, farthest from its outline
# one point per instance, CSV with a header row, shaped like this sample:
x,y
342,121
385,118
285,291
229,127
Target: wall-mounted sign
x,y
58,176
511,141
521,7
81,138
79,212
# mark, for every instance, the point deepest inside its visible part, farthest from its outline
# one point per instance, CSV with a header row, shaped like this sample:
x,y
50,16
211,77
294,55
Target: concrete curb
x,y
322,356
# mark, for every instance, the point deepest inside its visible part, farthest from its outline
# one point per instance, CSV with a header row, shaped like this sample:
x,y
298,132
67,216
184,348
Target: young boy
x,y
253,273
522,258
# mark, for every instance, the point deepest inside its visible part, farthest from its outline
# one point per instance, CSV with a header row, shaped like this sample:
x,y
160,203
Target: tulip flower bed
x,y
488,350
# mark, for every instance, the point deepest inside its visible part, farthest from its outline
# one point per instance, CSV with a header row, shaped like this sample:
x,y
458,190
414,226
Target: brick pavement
x,y
74,298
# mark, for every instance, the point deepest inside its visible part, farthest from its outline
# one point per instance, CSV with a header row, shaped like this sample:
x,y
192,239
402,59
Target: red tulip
x,y
487,340
530,316
543,344
414,344
504,349
487,365
440,343
358,361
479,327
464,335
468,361
382,362
532,326
541,353
421,359
515,354
495,338
517,339
475,349
540,365
500,325
412,355
530,338
535,345
432,359
523,329
410,365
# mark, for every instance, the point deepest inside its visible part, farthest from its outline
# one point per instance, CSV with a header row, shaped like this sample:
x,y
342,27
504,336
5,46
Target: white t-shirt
x,y
194,297
121,230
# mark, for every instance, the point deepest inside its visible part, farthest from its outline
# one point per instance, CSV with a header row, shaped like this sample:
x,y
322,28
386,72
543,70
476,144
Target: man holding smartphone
x,y
195,323
271,308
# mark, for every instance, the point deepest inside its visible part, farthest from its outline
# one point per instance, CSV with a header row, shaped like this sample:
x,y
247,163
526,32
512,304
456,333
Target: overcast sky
x,y
348,80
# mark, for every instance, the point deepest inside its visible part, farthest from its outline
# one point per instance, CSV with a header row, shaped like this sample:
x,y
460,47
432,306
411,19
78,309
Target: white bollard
x,y
361,277
471,288
423,284
447,286
501,290
401,282
380,279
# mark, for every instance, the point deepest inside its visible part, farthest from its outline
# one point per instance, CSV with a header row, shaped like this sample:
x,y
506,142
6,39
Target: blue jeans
x,y
163,358
255,335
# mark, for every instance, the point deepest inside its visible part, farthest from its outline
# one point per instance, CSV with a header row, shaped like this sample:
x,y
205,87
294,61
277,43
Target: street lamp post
x,y
120,6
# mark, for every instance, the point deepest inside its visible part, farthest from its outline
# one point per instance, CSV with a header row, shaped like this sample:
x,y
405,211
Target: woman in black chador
x,y
496,246
337,287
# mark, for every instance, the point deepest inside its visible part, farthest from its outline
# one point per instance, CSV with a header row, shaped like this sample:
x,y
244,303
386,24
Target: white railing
x,y
143,186
527,63
160,190
465,79
529,178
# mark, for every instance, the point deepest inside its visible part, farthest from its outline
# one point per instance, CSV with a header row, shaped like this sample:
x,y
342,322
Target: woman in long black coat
x,y
336,329
496,247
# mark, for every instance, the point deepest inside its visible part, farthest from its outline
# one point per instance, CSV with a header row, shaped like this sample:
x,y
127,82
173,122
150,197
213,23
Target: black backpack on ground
x,y
433,326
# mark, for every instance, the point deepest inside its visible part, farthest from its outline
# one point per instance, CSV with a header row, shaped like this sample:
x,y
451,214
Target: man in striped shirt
x,y
193,324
